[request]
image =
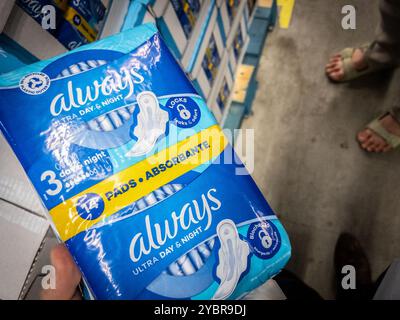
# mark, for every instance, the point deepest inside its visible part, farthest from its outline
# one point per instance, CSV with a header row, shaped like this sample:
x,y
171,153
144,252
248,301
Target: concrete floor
x,y
307,161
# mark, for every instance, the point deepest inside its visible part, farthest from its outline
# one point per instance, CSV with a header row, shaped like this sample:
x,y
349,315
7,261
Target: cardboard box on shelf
x,y
76,22
233,57
21,234
24,30
33,283
115,18
208,62
235,14
5,10
181,25
223,72
223,18
240,44
221,101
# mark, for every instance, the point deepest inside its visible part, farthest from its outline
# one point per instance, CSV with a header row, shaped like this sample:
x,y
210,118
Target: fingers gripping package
x,y
134,172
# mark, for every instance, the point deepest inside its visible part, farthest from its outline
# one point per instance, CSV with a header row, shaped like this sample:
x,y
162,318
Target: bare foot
x,y
372,142
334,69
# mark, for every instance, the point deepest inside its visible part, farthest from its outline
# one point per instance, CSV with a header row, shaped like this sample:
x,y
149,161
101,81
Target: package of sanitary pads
x,y
77,22
86,17
138,179
35,8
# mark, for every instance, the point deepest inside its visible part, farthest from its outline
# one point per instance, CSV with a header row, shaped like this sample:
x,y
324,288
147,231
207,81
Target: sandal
x,y
351,73
348,52
376,126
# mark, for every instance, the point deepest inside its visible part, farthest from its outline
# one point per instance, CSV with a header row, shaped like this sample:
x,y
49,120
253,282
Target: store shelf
x,y
25,31
239,63
5,10
235,25
258,33
115,18
257,24
202,31
245,90
267,10
235,116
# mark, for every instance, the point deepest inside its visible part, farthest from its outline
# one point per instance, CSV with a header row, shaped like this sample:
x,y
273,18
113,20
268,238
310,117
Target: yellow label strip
x,y
196,150
243,77
285,14
265,3
83,27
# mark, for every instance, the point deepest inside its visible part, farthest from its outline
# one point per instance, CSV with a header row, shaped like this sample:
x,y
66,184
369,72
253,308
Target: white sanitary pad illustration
x,y
152,120
151,124
232,258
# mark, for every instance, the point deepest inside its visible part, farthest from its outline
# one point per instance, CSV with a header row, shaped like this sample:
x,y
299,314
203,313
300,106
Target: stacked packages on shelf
x,y
77,22
208,37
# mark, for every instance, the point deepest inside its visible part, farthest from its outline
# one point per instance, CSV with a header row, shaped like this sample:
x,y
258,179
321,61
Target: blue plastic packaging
x,y
136,175
77,22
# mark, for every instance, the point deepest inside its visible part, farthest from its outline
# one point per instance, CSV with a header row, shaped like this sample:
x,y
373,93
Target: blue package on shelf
x,y
77,22
230,15
225,17
69,36
192,58
223,96
35,10
182,25
187,12
137,176
221,88
211,61
86,18
238,43
93,11
207,59
232,6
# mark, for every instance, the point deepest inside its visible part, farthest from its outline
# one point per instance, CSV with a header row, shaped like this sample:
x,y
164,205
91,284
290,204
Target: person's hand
x,y
67,276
